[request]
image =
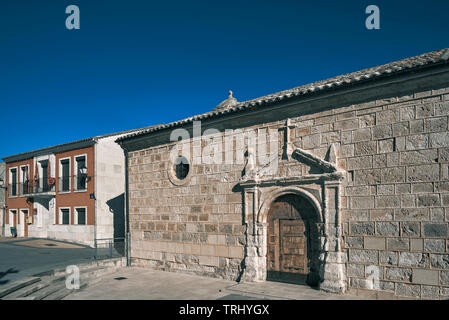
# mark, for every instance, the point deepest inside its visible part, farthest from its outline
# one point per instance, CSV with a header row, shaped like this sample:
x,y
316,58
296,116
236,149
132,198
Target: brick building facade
x,y
2,199
358,199
72,192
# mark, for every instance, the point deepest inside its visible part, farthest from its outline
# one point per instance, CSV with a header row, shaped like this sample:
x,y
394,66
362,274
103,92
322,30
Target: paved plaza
x,y
145,284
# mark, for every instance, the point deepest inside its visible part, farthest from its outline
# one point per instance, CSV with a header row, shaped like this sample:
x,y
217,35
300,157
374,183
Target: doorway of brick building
x,y
292,241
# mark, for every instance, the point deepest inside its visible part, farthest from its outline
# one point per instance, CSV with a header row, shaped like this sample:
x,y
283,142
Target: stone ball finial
x,y
228,103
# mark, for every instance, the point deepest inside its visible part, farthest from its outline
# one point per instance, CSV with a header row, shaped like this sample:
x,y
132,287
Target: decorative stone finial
x,y
228,103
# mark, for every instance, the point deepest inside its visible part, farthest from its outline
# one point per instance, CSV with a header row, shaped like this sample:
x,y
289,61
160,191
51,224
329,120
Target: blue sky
x,y
137,63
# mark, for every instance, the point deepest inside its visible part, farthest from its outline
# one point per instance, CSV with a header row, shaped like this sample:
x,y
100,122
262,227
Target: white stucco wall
x,y
109,186
74,233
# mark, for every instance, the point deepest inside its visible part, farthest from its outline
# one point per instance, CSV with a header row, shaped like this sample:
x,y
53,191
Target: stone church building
x,y
342,184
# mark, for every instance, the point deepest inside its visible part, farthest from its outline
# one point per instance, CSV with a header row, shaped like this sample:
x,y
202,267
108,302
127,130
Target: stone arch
x,y
268,199
294,218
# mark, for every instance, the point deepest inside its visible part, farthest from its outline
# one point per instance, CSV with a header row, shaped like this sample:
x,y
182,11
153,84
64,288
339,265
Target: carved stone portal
x,y
322,189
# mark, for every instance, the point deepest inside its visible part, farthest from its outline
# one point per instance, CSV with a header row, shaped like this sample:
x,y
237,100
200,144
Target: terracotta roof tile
x,y
369,74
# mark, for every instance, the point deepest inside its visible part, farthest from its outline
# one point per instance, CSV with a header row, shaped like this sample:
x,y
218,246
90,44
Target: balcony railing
x,y
44,185
79,183
32,187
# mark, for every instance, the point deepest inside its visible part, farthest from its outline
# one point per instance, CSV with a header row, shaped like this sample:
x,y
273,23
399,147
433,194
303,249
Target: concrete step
x,y
17,285
26,291
51,285
87,277
63,292
31,289
42,294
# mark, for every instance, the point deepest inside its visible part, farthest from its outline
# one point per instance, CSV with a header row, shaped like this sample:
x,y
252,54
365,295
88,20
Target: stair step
x,y
63,292
41,294
51,285
26,291
17,285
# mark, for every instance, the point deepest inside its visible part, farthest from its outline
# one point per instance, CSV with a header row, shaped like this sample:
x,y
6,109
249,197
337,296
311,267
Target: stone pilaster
x,y
332,259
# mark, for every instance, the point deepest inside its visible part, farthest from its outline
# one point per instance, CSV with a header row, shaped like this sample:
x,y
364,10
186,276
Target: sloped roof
x,y
66,146
433,58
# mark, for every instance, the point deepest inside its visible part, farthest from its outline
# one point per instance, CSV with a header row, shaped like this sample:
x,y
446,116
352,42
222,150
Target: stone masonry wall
x,y
395,200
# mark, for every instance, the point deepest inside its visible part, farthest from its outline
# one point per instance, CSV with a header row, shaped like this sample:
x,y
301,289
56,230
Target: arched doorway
x,y
292,241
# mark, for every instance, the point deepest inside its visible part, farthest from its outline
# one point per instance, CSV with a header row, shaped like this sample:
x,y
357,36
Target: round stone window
x,y
181,167
180,171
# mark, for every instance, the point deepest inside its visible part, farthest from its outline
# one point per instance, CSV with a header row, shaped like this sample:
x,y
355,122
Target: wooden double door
x,y
291,249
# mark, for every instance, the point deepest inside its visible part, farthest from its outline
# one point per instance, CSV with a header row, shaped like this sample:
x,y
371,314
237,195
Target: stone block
x,y
236,252
389,258
444,277
381,214
428,200
385,189
407,113
374,243
349,124
209,261
367,177
398,244
444,155
422,187
442,108
417,245
394,174
430,292
410,229
356,270
423,173
362,228
440,261
410,259
365,148
388,201
429,277
419,157
435,245
411,214
311,141
416,142
386,146
435,125
403,188
364,162
387,228
442,186
387,117
354,242
358,191
437,214
440,139
401,129
367,120
424,110
362,202
402,274
379,161
408,290
363,256
416,126
393,158
436,230
382,132
363,134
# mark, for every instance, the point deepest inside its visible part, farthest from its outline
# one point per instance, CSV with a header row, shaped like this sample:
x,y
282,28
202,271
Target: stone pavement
x,y
145,284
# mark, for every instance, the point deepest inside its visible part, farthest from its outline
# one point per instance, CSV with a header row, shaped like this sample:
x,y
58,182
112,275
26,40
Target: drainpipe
x,y
127,234
95,194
